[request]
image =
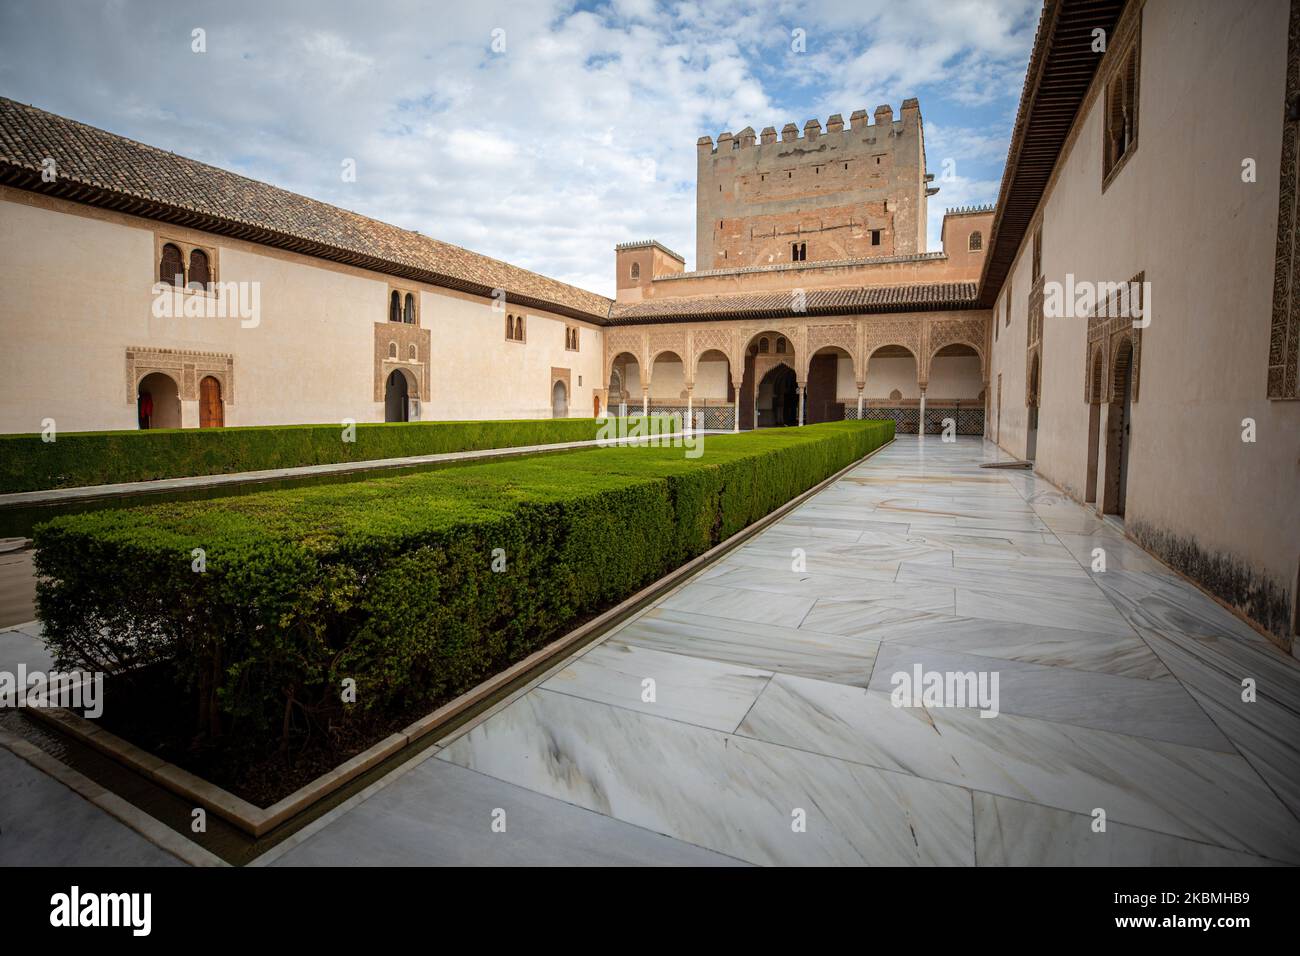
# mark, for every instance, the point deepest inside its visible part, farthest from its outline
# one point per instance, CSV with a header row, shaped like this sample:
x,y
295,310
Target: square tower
x,y
853,191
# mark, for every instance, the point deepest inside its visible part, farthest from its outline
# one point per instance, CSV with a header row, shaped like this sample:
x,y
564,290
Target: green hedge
x,y
390,581
95,458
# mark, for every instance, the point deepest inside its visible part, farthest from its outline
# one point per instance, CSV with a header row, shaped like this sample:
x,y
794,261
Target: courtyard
x,y
1120,692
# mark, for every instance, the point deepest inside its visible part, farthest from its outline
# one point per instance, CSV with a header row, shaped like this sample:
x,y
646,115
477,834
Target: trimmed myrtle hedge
x,y
95,458
391,581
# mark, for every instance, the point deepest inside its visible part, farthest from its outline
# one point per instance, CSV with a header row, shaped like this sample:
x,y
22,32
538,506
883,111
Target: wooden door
x,y
211,411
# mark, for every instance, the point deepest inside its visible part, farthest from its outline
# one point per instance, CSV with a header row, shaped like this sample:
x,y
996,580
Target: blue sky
x,y
538,132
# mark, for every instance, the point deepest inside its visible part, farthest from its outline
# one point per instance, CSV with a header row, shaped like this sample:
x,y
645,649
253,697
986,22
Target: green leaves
x,y
392,581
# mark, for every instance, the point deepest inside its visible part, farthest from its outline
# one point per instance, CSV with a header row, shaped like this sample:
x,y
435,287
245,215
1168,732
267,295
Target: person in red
x,y
146,409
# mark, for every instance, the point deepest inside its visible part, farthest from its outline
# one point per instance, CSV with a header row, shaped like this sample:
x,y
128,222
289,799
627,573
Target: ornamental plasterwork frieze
x,y
186,367
1110,323
721,340
906,332
844,336
667,340
969,332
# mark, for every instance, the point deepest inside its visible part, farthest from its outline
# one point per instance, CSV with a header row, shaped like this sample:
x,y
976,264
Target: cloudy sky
x,y
537,131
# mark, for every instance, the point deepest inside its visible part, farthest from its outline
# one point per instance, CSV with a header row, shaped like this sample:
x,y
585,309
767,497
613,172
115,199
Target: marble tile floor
x,y
1119,691
747,718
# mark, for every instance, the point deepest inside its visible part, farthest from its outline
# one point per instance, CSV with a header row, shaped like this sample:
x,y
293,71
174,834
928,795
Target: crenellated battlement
x,y
812,130
969,210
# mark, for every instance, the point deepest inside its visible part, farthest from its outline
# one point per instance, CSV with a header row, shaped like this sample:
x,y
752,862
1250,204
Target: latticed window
x,y
200,270
636,270
1121,111
170,267
976,242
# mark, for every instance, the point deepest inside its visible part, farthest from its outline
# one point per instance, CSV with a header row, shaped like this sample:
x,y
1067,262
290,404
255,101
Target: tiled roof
x,y
102,169
740,305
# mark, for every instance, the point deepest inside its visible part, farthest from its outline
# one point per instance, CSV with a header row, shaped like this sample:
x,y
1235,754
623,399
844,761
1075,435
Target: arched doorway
x,y
766,351
158,402
1117,432
624,383
713,390
955,389
825,370
1031,434
892,388
778,398
211,409
559,401
397,406
1094,426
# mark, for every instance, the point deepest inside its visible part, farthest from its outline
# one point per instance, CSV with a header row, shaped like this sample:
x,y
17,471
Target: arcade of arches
x,y
905,367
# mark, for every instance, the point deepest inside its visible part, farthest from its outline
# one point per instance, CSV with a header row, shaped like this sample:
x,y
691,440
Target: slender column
x,y
860,403
735,408
690,407
921,426
645,400
800,386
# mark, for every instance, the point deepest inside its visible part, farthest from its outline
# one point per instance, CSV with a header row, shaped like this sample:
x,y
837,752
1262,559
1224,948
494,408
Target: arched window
x,y
780,345
762,346
392,350
976,242
171,269
395,307
412,353
408,316
200,273
636,270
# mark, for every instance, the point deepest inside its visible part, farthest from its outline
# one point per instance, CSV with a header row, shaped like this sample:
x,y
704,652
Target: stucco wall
x,y
1210,95
310,358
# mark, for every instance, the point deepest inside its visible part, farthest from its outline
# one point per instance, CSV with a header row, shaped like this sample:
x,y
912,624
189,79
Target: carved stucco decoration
x,y
970,332
795,335
719,340
905,332
843,335
417,371
186,367
1109,326
632,341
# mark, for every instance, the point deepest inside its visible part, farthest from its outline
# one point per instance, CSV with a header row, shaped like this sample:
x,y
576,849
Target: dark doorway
x,y
747,392
778,398
397,407
1117,433
823,380
1031,437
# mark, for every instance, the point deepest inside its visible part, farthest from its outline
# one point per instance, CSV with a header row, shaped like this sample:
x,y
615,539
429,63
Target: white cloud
x,y
580,135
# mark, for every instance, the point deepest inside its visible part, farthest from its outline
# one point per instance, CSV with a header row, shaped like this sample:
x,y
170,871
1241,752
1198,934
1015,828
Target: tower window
x,y
636,270
798,251
976,241
875,237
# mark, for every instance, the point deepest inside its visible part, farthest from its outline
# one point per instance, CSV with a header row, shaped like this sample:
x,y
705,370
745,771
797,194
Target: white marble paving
x,y
801,651
1015,833
1118,690
717,791
1190,792
690,689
